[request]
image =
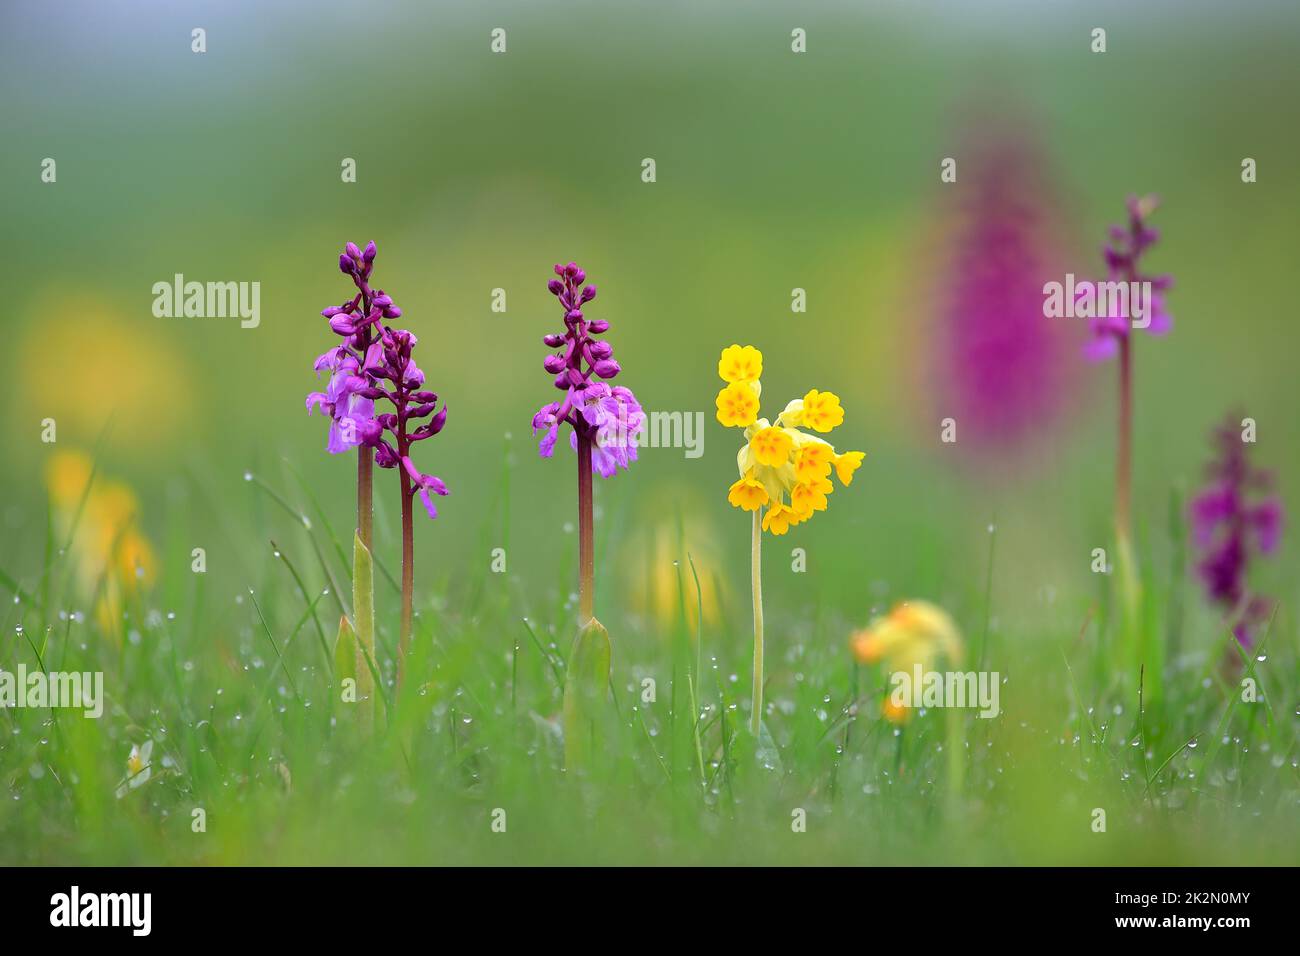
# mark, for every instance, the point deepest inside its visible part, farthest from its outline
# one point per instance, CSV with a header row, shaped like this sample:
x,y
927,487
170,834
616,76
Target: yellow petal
x,y
740,363
772,446
737,405
846,464
822,411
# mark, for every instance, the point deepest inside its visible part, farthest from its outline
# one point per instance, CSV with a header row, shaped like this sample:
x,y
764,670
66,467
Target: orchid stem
x,y
365,496
408,576
756,573
1124,457
586,547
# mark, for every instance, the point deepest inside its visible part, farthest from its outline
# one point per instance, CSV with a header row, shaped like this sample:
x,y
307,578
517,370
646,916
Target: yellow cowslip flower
x,y
781,466
738,405
772,446
748,493
740,363
821,411
813,461
846,464
914,632
779,518
810,496
777,460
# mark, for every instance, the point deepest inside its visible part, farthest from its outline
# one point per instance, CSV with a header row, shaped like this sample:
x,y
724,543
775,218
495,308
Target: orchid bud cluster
x,y
411,402
351,413
610,417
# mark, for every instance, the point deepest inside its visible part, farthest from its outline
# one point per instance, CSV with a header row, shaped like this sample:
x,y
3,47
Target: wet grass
x,y
464,765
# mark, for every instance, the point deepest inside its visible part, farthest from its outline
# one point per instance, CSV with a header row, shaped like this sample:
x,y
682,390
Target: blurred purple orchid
x,y
1123,256
1235,517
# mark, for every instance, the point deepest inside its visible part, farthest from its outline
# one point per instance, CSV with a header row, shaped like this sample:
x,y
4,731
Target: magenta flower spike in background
x,y
999,369
1233,519
605,420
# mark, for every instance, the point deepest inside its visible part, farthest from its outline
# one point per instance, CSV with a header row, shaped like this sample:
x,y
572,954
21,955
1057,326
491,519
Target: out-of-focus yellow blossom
x,y
111,557
914,632
657,574
111,353
893,712
782,467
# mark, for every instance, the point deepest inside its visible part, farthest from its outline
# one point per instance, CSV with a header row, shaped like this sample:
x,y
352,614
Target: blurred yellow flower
x,y
658,574
111,557
914,632
893,712
140,379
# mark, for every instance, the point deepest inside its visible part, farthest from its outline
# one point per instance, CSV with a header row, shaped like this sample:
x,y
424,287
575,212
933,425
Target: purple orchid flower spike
x,y
1129,298
1234,518
605,420
392,374
1116,313
373,362
350,410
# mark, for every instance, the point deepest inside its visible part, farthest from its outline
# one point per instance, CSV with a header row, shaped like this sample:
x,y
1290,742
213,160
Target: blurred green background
x,y
478,171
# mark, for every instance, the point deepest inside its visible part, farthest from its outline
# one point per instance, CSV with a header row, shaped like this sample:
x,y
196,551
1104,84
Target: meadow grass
x,y
241,700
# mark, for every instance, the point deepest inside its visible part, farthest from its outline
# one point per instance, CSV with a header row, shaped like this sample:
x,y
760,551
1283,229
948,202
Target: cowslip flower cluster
x,y
783,468
1128,243
359,323
1234,518
609,417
